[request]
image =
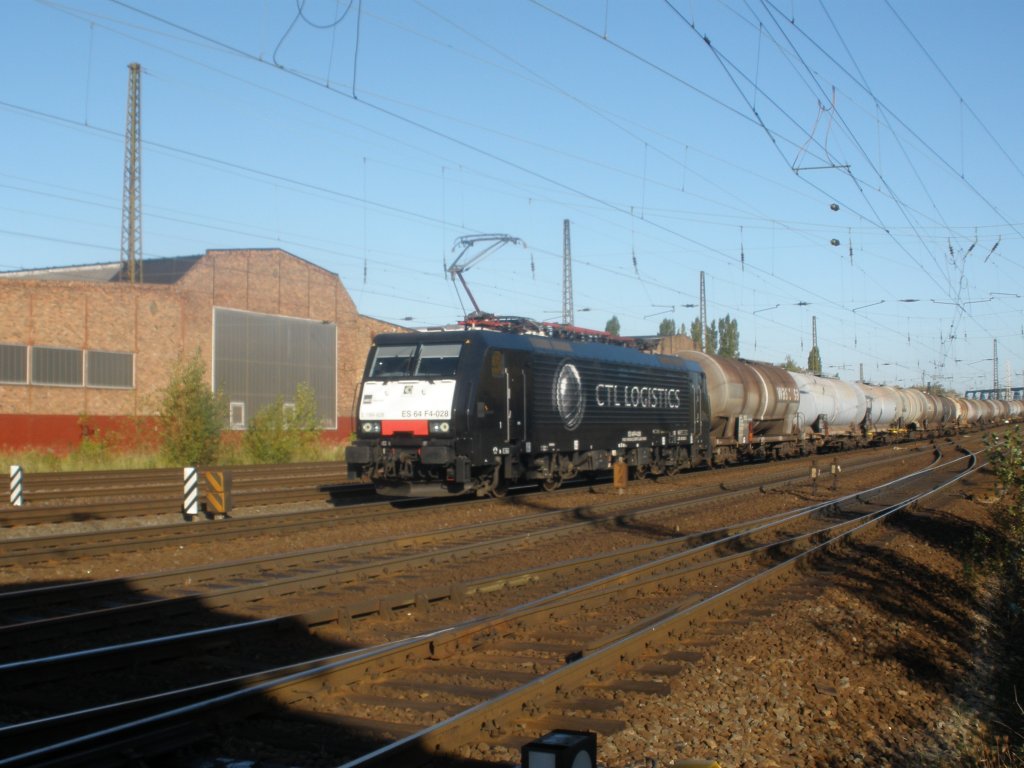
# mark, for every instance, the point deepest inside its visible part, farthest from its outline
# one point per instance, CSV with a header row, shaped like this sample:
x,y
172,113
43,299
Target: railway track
x,y
108,657
93,544
38,615
397,689
63,497
346,574
57,497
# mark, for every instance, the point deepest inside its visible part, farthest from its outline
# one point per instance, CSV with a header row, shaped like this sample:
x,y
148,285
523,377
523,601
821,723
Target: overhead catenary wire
x,y
724,261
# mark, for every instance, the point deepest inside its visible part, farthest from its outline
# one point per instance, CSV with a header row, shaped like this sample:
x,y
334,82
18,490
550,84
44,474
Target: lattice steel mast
x,y
703,317
995,364
131,202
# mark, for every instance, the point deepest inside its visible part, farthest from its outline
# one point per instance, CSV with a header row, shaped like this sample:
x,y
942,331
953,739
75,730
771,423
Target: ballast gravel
x,y
880,660
882,656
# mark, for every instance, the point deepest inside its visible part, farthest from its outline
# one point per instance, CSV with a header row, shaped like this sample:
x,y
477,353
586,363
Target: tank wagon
x,y
762,411
752,404
506,400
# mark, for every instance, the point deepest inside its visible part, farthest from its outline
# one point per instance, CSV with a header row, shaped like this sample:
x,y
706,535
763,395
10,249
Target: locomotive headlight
x,y
371,427
440,427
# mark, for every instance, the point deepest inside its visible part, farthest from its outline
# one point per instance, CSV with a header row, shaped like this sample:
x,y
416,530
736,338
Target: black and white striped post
x,y
17,485
191,491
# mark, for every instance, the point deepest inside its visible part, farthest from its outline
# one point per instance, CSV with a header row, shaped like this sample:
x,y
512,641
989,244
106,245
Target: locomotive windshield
x,y
432,361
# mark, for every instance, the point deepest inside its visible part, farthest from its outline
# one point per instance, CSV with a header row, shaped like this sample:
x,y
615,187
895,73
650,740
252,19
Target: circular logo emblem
x,y
568,395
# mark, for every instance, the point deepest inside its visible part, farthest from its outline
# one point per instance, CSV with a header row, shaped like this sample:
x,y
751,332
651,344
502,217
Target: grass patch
x,y
94,455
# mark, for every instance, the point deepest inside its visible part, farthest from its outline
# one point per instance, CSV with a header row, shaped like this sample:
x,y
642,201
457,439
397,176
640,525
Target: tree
x,y
712,339
697,333
728,337
612,326
667,327
282,432
790,365
814,361
192,416
723,336
938,389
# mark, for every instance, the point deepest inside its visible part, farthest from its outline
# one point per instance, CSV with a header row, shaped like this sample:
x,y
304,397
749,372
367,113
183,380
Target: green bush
x,y
1006,457
278,434
192,416
1005,551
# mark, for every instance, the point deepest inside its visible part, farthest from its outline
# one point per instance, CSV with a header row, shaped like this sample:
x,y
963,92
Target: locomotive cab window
x,y
392,362
438,360
434,361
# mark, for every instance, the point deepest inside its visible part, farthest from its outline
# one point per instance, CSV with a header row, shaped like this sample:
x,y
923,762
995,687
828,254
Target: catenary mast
x,y
131,203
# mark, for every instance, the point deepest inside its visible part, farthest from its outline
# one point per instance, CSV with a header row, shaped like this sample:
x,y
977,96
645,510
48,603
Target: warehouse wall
x,y
158,323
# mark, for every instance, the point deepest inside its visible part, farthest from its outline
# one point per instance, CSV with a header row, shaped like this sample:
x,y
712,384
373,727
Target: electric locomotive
x,y
502,401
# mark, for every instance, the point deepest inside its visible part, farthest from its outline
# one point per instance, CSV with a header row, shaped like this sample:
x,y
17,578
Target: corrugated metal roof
x,y
159,271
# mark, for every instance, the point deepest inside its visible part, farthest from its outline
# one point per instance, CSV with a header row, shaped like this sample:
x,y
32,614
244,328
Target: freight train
x,y
502,401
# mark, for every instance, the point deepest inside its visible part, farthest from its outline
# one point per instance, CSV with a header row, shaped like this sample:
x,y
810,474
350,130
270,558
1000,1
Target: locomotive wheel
x,y
552,485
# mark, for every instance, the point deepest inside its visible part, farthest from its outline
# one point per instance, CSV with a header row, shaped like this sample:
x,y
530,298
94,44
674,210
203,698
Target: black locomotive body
x,y
474,410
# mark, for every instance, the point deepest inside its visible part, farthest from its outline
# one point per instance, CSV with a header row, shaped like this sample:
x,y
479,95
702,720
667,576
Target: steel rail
x,y
121,654
169,504
71,622
146,492
28,550
143,500
124,601
393,602
47,483
65,546
424,745
439,643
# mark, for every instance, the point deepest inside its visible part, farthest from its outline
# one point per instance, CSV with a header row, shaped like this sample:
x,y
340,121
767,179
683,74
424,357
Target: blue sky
x,y
738,138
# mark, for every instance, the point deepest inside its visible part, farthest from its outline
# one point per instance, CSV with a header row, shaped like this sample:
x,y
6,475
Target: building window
x,y
13,364
61,367
236,415
110,369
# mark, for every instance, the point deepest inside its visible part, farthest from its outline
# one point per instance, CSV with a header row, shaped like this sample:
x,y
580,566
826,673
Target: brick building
x,y
82,348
